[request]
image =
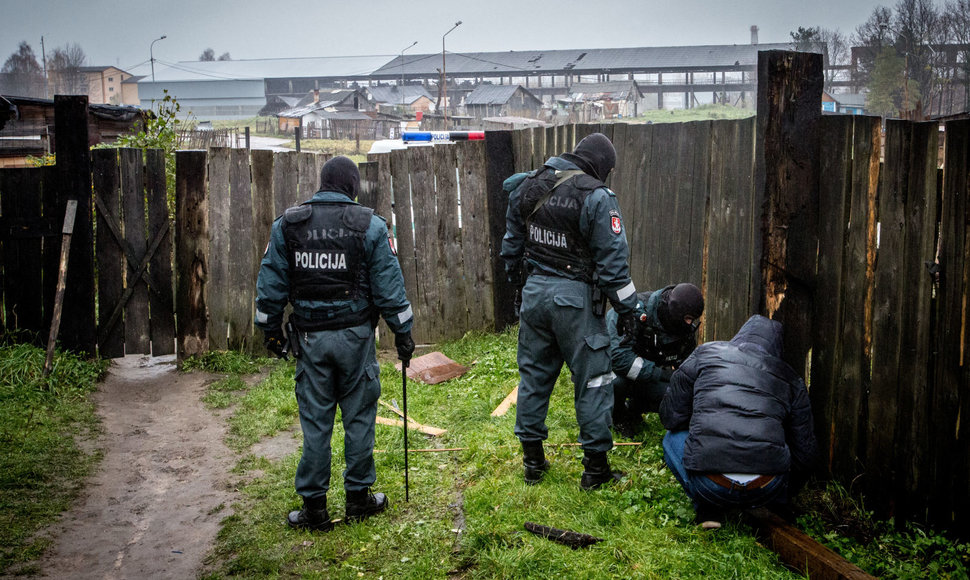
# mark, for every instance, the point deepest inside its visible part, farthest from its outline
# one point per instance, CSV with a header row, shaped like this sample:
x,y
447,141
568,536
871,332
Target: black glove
x,y
275,342
405,347
627,326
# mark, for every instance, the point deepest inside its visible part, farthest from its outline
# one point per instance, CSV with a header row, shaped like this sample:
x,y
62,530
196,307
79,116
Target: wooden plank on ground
x,y
161,293
476,236
106,180
427,322
220,236
137,339
509,400
948,464
452,280
20,206
433,431
411,422
835,163
799,551
191,253
242,259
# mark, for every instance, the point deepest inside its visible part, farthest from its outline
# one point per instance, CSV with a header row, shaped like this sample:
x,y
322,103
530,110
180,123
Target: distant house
x,y
106,85
611,100
27,127
502,101
844,103
330,114
414,97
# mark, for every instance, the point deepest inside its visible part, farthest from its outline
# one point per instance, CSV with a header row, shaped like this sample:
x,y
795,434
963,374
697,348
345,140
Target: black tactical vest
x,y
325,250
650,345
552,235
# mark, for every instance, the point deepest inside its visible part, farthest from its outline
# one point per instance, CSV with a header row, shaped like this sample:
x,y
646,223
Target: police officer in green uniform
x,y
669,318
333,260
566,242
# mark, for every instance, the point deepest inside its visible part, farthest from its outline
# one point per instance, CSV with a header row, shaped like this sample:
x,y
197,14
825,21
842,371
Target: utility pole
x,y
43,54
444,73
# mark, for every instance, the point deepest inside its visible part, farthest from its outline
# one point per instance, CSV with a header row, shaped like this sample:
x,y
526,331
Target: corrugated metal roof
x,y
851,99
493,94
393,94
613,90
323,67
599,59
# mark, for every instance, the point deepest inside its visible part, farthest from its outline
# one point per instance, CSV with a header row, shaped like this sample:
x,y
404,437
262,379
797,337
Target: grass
x,y
42,465
702,113
467,508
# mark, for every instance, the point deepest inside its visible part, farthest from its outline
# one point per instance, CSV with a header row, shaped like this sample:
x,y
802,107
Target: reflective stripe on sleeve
x,y
626,291
404,316
597,382
635,369
261,317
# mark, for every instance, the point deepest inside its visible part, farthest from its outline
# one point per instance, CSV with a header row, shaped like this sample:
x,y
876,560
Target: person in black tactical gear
x,y
565,242
333,260
669,318
739,423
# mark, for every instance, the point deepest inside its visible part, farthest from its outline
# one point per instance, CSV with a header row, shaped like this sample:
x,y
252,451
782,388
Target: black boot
x,y
313,516
534,461
597,470
363,504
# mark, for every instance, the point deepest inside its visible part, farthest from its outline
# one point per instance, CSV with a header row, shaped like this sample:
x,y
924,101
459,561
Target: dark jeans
x,y
702,490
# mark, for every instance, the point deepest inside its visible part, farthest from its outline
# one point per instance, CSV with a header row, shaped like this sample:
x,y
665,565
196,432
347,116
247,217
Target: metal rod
x,y
404,388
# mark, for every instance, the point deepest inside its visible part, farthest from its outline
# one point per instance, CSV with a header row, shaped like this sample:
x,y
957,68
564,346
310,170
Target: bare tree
x,y
869,39
22,74
916,24
66,75
957,20
225,56
207,55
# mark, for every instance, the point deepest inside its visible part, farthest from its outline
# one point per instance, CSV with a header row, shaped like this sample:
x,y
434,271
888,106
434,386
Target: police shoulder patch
x,y
616,225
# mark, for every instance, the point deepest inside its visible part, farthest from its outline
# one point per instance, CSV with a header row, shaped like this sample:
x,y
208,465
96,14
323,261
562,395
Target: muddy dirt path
x,y
153,508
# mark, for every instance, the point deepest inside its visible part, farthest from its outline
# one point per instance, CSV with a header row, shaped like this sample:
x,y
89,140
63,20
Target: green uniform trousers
x,y
557,325
337,367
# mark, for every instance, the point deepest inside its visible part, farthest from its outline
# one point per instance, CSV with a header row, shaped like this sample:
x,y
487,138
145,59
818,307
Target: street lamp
x,y
444,73
402,70
151,52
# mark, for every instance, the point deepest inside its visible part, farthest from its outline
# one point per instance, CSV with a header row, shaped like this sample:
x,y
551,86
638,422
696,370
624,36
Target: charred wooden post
x,y
191,253
787,171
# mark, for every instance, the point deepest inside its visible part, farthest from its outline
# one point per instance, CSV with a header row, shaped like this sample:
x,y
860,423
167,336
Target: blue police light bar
x,y
432,136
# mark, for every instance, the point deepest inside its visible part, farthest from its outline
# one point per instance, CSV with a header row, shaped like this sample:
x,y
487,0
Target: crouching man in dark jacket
x,y
739,423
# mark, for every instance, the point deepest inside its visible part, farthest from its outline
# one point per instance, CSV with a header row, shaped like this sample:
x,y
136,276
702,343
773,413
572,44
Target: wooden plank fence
x,y
848,262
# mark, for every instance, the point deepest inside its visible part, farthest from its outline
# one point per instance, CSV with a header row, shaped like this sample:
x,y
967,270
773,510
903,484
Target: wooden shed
x,y
502,101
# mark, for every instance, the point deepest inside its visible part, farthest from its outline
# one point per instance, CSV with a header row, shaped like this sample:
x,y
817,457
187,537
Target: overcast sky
x,y
119,33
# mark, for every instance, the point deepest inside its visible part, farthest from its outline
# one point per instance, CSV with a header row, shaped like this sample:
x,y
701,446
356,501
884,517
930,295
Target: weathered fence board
x,y
789,94
78,331
54,212
475,235
404,229
427,312
286,191
192,247
20,205
161,298
949,466
308,175
241,257
499,164
219,287
107,182
452,280
731,276
133,215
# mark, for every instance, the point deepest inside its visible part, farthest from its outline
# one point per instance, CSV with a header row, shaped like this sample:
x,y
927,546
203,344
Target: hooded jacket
x,y
746,409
